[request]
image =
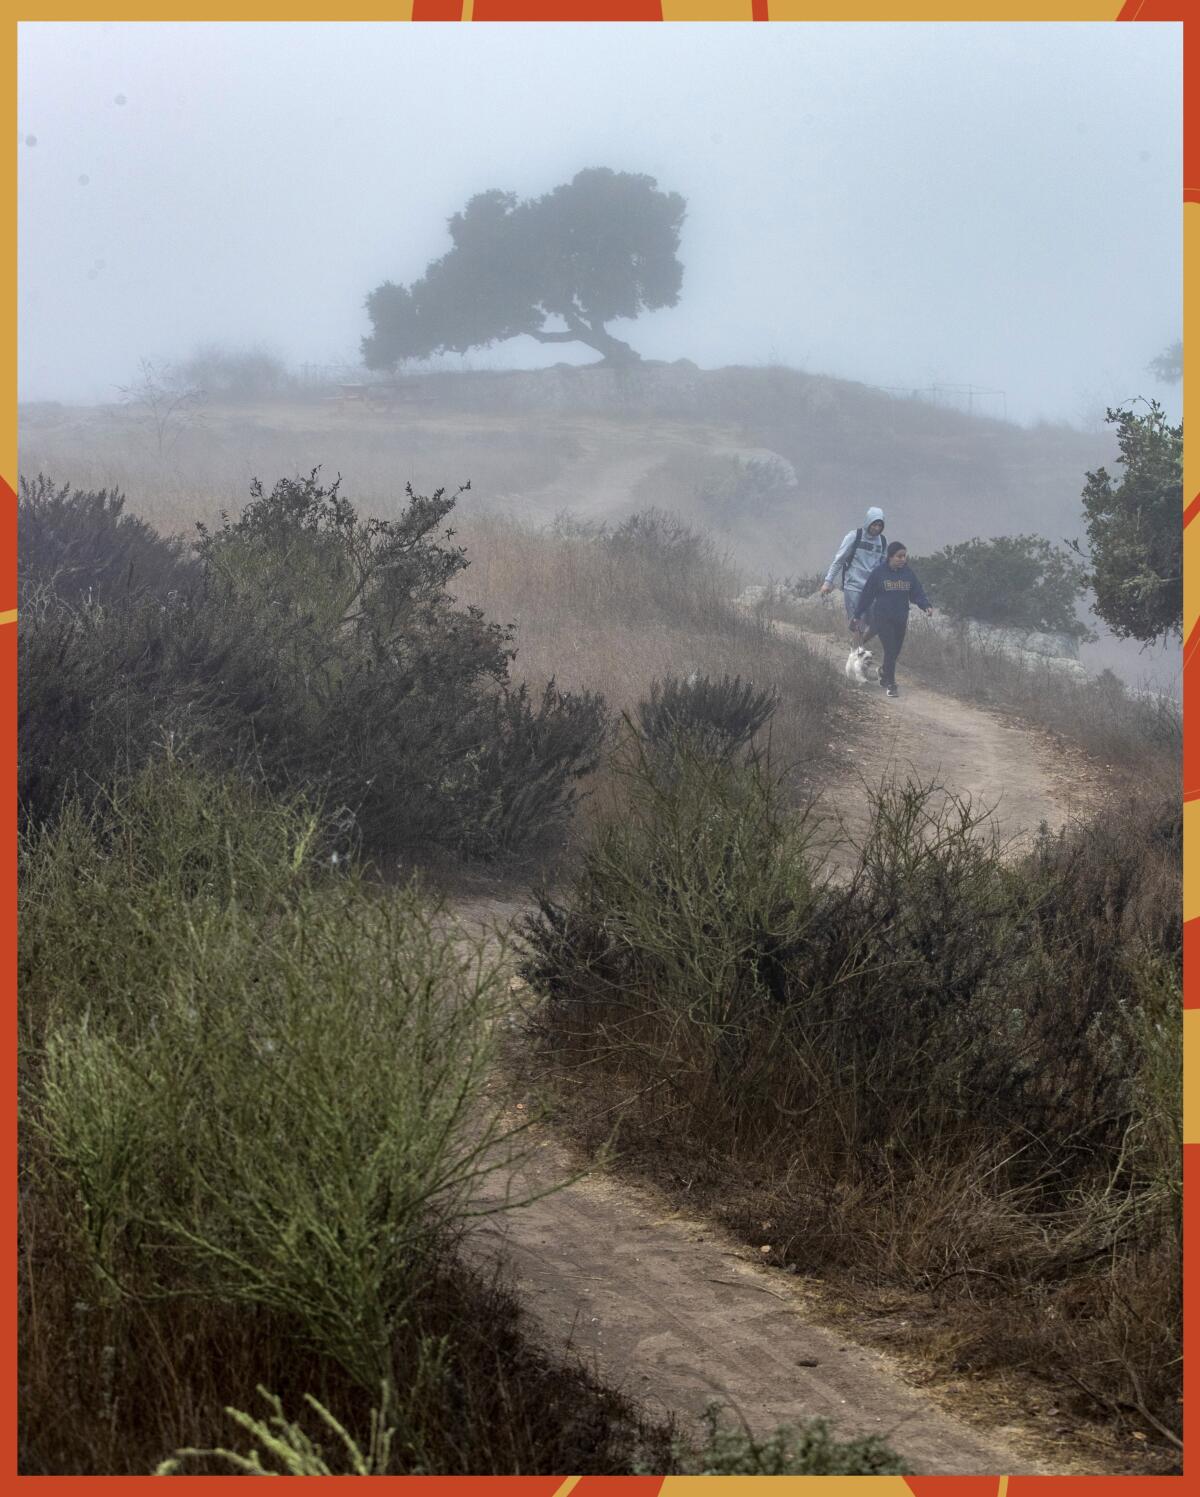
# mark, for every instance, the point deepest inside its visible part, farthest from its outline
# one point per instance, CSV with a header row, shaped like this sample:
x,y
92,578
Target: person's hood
x,y
872,516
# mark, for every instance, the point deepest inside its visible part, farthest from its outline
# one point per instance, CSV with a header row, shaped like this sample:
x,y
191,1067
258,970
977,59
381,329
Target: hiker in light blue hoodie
x,y
857,557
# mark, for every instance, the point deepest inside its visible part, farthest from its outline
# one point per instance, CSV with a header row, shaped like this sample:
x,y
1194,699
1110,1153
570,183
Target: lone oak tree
x,y
598,247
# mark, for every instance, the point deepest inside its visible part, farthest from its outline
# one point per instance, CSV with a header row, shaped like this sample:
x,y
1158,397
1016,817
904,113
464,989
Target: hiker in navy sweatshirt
x,y
885,597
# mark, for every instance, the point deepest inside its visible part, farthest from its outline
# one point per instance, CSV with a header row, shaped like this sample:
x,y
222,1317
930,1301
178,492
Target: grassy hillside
x,y
775,462
945,474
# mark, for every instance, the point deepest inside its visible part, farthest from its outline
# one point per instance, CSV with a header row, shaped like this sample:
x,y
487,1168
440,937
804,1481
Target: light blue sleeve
x,y
842,551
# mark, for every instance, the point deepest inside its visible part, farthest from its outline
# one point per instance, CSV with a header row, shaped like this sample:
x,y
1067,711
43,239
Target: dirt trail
x,y
611,458
679,1316
1027,777
677,1312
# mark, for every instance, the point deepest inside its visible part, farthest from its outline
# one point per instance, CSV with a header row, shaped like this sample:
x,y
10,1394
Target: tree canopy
x,y
599,247
1135,528
1010,581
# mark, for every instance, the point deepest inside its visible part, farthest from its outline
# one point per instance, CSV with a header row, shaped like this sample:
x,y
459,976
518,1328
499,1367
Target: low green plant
x,y
254,1116
681,908
744,488
292,1449
700,920
259,1082
811,1449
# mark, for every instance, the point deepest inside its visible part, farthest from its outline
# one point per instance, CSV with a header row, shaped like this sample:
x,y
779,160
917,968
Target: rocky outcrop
x,y
1035,649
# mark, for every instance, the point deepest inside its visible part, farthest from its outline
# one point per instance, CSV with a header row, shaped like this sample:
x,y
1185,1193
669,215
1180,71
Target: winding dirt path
x,y
676,1311
610,458
1023,777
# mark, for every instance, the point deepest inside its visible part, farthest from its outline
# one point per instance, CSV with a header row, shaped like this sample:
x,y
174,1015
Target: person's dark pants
x,y
891,637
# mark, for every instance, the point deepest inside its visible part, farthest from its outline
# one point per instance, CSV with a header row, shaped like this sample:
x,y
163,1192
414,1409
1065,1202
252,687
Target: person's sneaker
x,y
892,691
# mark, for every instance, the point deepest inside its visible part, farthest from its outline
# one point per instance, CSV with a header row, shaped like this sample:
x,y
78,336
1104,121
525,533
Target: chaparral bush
x,y
323,650
941,1064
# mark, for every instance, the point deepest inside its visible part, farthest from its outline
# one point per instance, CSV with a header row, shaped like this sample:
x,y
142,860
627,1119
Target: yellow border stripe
x,y
942,10
572,1481
10,617
1191,839
707,10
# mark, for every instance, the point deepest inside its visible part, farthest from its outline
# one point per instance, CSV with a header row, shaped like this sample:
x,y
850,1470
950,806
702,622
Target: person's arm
x,y
842,552
867,596
919,597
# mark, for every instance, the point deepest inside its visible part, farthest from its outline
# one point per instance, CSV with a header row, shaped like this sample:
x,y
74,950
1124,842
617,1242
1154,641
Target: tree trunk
x,y
596,336
614,351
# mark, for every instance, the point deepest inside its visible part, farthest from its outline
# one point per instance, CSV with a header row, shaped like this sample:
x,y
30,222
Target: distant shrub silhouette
x,y
234,373
745,487
654,534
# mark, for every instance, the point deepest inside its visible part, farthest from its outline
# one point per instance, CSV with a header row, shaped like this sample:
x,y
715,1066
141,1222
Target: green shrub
x,y
1135,540
657,558
102,686
741,488
661,537
935,990
292,1449
1010,581
942,1065
82,545
810,1450
723,715
260,1083
323,651
514,786
253,1111
687,898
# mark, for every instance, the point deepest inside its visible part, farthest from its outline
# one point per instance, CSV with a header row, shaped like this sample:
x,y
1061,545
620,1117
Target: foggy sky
x,y
990,204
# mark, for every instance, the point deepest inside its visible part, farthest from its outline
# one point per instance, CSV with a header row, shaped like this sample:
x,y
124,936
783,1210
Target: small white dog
x,y
861,667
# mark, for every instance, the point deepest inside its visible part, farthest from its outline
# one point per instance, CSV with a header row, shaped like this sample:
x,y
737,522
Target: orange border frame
x,y
1186,11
